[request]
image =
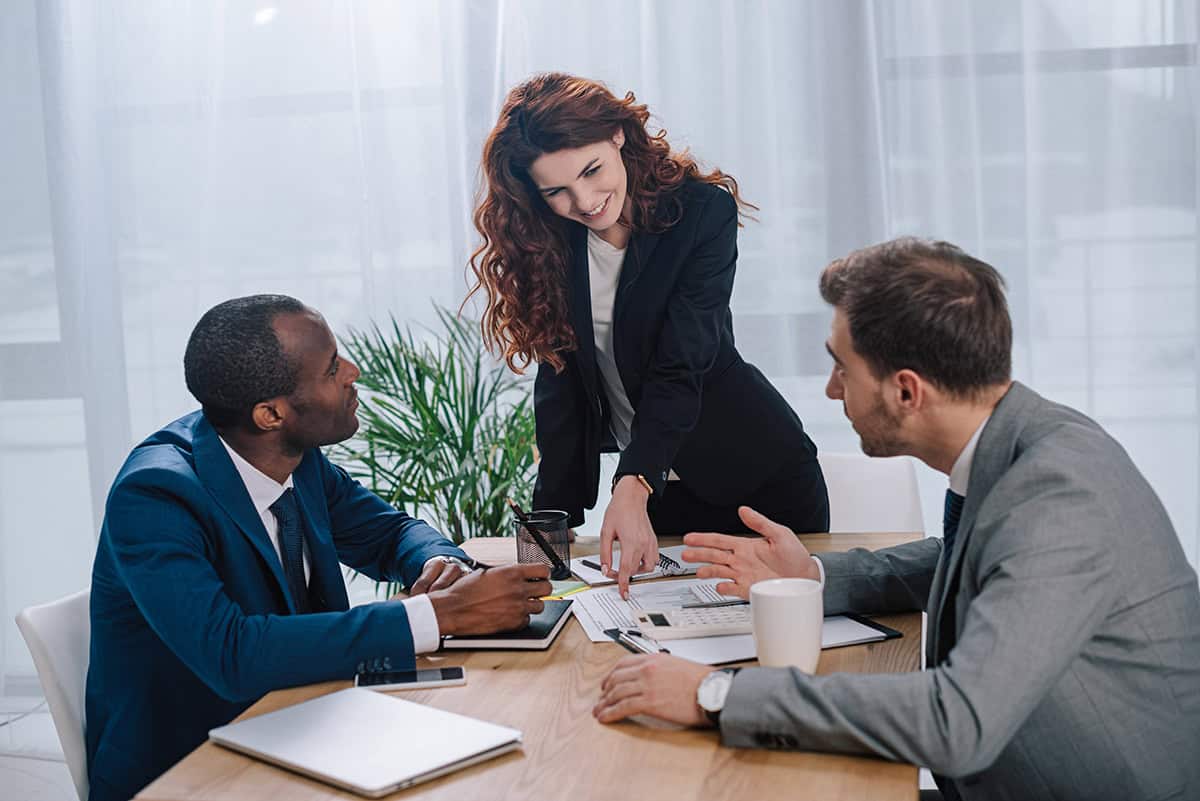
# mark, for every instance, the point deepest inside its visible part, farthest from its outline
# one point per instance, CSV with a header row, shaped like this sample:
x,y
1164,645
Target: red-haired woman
x,y
608,260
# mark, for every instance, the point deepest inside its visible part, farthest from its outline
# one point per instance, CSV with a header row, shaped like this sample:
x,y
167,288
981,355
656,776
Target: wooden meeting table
x,y
566,754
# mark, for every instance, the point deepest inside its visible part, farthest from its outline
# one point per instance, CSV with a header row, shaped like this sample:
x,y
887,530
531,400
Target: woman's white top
x,y
604,272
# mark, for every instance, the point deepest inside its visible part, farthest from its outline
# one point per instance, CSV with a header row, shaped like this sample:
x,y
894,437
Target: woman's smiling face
x,y
585,184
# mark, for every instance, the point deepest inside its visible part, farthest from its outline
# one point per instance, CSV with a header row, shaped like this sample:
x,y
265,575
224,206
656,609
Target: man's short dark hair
x,y
926,306
234,360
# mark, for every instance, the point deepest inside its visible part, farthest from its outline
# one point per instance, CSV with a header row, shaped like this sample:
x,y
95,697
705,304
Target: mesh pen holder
x,y
552,525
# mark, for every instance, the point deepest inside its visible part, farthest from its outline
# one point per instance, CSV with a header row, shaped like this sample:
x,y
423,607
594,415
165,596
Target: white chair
x,y
59,636
868,493
871,494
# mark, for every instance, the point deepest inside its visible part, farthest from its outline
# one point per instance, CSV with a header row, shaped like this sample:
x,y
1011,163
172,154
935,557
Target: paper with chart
x,y
603,608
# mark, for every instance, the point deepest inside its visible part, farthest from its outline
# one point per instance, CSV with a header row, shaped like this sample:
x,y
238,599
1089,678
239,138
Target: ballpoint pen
x,y
715,604
666,564
560,570
635,641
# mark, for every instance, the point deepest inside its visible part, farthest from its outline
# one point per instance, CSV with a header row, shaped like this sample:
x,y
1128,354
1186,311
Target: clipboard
x,y
887,632
740,647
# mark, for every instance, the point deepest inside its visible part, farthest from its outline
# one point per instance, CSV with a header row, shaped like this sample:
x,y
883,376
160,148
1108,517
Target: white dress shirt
x,y
960,473
264,491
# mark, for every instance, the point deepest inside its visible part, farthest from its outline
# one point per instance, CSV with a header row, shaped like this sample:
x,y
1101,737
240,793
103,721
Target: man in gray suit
x,y
1064,621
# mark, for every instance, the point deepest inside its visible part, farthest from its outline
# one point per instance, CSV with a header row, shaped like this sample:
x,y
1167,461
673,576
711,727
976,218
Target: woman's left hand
x,y
626,521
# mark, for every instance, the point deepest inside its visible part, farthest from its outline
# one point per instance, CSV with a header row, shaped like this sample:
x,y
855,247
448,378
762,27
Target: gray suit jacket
x,y
1064,635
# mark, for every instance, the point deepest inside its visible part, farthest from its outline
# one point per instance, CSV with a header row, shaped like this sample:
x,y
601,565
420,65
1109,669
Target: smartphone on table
x,y
388,680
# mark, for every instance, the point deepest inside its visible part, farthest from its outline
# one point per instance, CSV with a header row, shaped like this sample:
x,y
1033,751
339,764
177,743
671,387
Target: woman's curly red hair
x,y
522,262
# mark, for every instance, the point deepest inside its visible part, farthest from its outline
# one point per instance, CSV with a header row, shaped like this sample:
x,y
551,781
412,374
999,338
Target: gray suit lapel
x,y
993,457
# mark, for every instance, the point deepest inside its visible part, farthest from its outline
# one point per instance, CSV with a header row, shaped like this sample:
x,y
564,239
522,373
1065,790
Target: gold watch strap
x,y
639,477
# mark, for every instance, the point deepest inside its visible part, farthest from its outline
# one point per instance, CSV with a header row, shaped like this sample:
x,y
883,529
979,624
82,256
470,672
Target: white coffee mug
x,y
787,615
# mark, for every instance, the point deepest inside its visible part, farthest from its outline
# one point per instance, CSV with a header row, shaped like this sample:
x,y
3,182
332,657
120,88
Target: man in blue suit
x,y
217,573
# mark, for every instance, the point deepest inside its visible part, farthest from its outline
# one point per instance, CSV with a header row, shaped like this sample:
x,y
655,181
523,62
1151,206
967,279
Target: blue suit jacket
x,y
191,617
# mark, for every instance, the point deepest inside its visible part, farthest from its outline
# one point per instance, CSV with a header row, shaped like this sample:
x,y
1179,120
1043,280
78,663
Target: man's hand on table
x,y
439,573
659,685
487,601
742,561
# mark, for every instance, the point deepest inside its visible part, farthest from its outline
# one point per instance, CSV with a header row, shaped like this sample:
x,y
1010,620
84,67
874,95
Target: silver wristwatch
x,y
711,693
454,560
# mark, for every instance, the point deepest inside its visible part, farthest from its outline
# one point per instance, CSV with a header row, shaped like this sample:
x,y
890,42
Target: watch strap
x,y
642,479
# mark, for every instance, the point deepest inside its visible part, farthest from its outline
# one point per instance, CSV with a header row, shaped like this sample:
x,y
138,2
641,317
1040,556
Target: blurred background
x,y
159,157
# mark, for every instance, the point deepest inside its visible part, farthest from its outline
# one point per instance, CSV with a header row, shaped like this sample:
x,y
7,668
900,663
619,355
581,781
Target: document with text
x,y
603,608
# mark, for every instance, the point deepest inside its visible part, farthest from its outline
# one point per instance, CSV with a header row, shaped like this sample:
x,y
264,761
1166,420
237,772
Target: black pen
x,y
634,635
588,562
635,641
715,604
560,572
643,647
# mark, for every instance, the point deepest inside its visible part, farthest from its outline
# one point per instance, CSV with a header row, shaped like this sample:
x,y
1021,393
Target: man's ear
x,y
909,390
268,415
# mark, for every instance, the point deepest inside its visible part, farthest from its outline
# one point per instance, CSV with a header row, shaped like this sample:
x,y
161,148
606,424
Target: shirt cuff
x,y
820,569
422,621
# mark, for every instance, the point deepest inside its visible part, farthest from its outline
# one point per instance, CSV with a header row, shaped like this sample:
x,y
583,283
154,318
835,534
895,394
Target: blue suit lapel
x,y
326,574
216,471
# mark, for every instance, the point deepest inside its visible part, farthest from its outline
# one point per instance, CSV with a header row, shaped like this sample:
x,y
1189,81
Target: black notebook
x,y
537,636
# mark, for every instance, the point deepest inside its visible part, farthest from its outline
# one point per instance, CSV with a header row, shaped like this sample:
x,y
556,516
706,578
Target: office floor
x,y
31,760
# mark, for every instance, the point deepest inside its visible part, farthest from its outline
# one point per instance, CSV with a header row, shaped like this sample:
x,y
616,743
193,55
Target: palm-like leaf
x,y
446,432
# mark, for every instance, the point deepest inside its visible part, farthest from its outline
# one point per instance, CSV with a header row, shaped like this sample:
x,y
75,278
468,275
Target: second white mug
x,y
787,615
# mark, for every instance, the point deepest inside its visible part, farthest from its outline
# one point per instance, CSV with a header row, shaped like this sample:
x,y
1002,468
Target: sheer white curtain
x,y
160,157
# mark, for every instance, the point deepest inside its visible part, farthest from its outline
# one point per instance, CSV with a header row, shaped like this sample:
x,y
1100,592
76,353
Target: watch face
x,y
713,689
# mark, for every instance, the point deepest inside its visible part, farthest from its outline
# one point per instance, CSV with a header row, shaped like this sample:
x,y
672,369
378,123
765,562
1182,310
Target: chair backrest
x,y
871,494
59,636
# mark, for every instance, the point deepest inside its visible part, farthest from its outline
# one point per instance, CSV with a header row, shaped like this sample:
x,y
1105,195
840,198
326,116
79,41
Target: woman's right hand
x,y
627,521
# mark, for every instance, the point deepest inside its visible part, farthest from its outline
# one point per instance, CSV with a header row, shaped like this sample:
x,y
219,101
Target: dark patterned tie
x,y
954,507
291,548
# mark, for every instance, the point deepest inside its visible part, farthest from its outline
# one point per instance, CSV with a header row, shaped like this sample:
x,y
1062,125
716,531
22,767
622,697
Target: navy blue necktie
x,y
950,518
954,507
291,548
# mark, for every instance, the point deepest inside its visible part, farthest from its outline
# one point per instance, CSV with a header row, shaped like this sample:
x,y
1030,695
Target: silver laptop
x,y
367,742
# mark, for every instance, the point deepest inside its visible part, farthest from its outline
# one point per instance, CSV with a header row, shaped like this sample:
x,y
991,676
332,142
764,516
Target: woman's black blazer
x,y
698,407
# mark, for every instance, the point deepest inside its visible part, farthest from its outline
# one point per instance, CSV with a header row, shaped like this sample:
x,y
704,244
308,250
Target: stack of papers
x,y
603,608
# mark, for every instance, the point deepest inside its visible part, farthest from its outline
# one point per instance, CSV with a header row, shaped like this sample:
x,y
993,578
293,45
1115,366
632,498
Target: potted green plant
x,y
446,432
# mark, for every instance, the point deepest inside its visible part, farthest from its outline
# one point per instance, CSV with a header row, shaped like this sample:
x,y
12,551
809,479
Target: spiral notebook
x,y
670,563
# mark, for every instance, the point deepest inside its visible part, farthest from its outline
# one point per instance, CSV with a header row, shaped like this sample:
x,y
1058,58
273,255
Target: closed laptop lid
x,y
366,741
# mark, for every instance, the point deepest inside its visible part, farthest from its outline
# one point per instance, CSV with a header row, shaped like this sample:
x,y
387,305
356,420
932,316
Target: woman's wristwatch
x,y
638,476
